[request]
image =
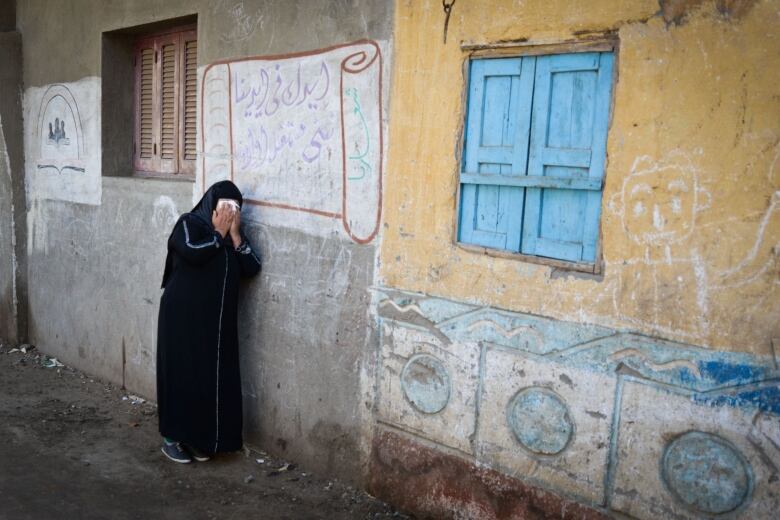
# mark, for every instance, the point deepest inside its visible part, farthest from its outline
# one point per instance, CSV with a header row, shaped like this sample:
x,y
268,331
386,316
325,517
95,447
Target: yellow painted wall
x,y
696,119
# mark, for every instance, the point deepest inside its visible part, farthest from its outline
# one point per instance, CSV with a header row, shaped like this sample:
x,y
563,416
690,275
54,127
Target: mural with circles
x,y
637,425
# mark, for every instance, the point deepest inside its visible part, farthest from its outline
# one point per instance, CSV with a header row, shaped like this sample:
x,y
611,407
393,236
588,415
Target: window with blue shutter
x,y
534,152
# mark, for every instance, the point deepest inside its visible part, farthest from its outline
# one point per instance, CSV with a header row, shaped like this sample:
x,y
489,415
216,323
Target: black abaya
x,y
198,378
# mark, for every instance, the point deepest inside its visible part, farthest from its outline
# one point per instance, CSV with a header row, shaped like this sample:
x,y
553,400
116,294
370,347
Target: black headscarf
x,y
208,203
204,209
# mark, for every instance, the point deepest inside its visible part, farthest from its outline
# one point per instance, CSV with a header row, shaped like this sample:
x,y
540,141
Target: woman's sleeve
x,y
195,243
247,258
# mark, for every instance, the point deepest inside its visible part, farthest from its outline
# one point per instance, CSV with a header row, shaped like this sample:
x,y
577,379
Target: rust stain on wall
x,y
432,484
676,11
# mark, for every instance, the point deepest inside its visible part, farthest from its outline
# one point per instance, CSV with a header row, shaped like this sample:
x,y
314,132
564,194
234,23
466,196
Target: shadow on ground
x,y
72,446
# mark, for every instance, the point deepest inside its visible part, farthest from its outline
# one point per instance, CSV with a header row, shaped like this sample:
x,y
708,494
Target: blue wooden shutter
x,y
568,143
495,152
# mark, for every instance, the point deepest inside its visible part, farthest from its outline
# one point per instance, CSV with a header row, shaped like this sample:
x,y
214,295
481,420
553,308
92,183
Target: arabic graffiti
x,y
359,156
258,148
242,24
294,130
257,85
285,113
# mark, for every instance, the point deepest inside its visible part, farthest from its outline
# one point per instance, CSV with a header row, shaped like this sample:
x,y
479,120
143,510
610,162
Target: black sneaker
x,y
175,452
197,454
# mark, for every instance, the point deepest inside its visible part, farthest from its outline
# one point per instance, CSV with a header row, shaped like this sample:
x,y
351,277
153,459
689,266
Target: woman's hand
x,y
222,220
235,229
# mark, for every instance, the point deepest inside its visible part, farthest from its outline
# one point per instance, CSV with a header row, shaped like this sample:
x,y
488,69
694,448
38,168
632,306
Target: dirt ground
x,y
75,447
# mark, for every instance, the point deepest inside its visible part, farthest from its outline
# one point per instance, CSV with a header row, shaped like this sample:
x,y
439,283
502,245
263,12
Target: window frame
x,y
177,168
519,49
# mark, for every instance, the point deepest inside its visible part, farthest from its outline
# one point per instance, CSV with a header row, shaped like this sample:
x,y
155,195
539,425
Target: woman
x,y
198,380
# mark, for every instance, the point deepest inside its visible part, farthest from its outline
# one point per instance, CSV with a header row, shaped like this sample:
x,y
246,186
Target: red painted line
x,y
354,70
203,130
280,205
274,57
230,119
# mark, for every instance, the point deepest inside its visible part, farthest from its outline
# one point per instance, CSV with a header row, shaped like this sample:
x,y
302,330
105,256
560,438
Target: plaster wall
x,y
7,253
649,388
8,16
97,235
13,285
693,103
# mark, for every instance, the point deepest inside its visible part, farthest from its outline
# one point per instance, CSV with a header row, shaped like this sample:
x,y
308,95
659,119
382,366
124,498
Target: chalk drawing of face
x,y
660,206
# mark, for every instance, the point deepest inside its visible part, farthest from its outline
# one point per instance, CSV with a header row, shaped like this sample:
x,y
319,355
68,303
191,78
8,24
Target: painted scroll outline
x,y
360,157
353,63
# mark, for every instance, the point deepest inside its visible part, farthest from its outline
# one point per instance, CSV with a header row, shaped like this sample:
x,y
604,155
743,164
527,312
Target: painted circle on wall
x,y
540,420
706,472
426,383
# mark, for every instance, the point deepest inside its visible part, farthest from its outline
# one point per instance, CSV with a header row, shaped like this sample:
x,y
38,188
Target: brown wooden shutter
x,y
168,119
189,104
145,93
165,103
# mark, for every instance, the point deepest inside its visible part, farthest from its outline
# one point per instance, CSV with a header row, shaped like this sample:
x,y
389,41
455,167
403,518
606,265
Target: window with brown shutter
x,y
165,103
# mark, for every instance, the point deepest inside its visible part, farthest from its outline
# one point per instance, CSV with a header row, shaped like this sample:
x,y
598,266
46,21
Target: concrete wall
x,y
97,236
8,16
7,253
649,389
13,288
